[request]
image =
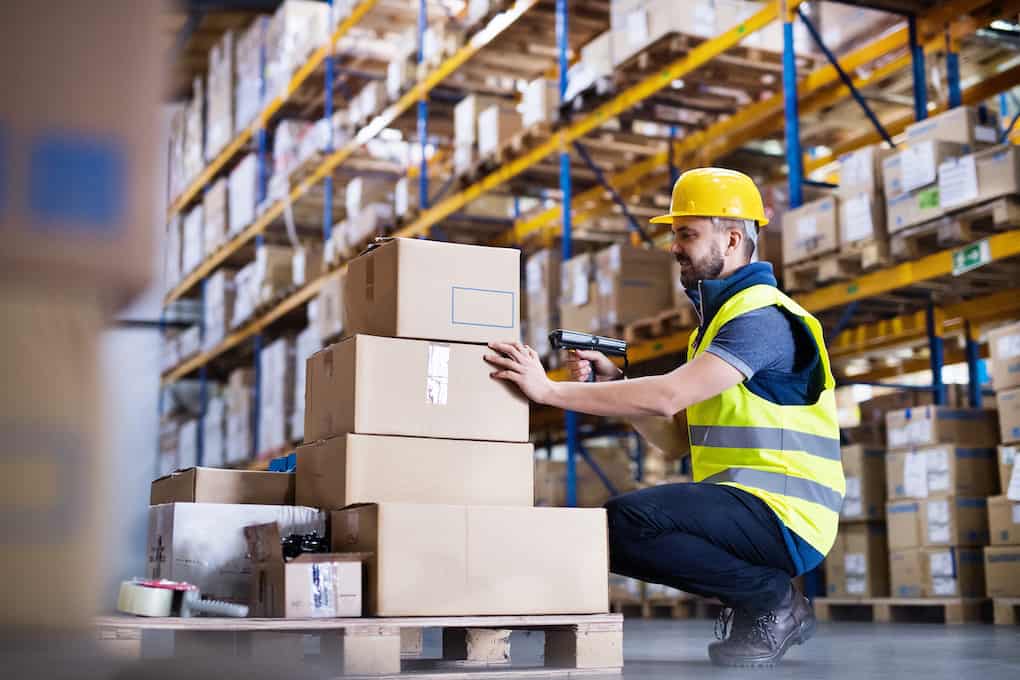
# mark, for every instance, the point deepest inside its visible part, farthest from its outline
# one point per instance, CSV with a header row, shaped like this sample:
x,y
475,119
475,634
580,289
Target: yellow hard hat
x,y
715,192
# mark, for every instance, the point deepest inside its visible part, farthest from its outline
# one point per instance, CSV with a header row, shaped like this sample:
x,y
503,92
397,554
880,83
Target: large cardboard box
x,y
248,72
312,585
864,470
539,102
903,520
968,428
1007,458
907,571
810,230
214,207
835,568
465,118
416,388
874,409
215,485
969,125
953,572
542,279
1003,521
861,218
242,192
633,283
357,468
915,166
865,559
476,560
1008,402
496,125
914,207
1002,571
203,543
434,290
329,312
579,299
954,521
219,111
979,177
220,296
860,171
276,399
1004,351
943,470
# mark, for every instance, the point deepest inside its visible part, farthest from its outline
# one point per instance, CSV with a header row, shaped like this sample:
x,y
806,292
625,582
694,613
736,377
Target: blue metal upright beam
x,y
794,156
973,367
920,77
423,114
568,250
953,75
936,350
673,171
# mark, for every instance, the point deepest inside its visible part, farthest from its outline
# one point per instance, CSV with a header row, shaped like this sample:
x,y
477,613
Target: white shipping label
x,y
637,29
1008,347
579,287
437,376
1013,493
1007,454
941,564
938,533
856,218
918,431
938,512
704,20
856,585
614,259
857,168
958,182
1016,513
944,586
856,564
322,588
986,134
852,507
807,227
917,166
533,274
605,284
938,481
853,487
937,461
915,475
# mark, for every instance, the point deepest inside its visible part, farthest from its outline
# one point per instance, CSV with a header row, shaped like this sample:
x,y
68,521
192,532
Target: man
x,y
757,391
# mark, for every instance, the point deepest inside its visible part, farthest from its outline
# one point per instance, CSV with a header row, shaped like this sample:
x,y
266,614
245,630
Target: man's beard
x,y
710,267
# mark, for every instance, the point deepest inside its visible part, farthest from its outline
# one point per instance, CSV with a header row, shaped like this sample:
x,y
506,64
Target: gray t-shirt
x,y
763,339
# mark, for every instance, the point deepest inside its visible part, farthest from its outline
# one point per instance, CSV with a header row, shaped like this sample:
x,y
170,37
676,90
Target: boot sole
x,y
804,633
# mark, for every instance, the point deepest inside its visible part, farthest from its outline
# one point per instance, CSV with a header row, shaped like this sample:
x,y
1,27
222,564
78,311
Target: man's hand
x,y
581,362
520,365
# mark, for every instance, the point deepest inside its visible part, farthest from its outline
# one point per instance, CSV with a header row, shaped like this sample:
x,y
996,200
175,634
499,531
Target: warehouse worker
x,y
757,390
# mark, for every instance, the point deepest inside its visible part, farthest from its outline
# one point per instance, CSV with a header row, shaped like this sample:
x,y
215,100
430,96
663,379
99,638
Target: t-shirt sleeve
x,y
758,340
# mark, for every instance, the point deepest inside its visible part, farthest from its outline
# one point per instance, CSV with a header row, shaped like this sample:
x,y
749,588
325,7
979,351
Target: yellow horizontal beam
x,y
561,140
270,110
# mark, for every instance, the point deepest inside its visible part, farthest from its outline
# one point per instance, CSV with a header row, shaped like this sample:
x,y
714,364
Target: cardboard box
x,y
248,72
329,319
465,118
306,264
969,125
613,460
811,230
633,283
306,344
356,468
860,171
373,385
1002,571
912,208
907,569
1008,402
214,433
241,194
542,282
915,167
865,559
903,520
220,296
1004,354
363,191
203,543
276,380
861,217
413,288
1003,521
307,586
477,560
954,521
942,470
214,485
214,207
539,102
240,403
1007,458
192,240
496,125
874,409
579,299
953,572
835,568
969,428
219,112
979,177
864,470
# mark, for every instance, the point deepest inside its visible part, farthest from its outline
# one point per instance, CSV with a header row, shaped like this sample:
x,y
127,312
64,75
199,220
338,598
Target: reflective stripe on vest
x,y
777,482
776,438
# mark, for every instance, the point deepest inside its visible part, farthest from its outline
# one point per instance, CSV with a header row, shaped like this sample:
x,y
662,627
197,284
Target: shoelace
x,y
722,623
760,629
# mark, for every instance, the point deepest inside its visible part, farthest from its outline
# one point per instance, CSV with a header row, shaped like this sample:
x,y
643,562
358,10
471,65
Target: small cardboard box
x,y
356,468
912,208
496,125
954,521
1004,351
312,585
864,470
1003,521
903,520
953,572
810,230
633,283
414,388
1007,458
865,559
1002,571
203,543
965,427
329,312
969,125
215,485
413,288
835,567
1008,402
907,571
478,560
579,299
943,470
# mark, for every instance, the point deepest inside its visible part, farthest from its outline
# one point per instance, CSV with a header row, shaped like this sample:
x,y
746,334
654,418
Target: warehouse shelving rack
x,y
937,30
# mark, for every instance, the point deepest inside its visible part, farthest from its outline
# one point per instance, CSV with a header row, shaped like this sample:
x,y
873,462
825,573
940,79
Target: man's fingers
x,y
502,362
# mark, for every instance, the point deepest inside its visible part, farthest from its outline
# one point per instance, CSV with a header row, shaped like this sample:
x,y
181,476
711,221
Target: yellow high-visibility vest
x,y
789,456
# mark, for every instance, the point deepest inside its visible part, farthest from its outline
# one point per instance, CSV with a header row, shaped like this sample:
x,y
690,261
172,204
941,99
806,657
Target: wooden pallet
x,y
682,607
519,143
665,323
808,275
1006,611
865,256
626,606
371,647
956,228
901,610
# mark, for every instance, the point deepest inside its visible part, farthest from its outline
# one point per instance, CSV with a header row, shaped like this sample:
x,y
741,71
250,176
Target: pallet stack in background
x,y
1002,557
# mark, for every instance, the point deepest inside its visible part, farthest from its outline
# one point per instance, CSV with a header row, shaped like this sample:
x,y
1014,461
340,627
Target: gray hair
x,y
750,228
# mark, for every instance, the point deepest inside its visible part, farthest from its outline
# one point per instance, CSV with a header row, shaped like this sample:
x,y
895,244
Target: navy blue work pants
x,y
707,539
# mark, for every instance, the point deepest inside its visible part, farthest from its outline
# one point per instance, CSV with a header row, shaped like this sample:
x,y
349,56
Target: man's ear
x,y
736,239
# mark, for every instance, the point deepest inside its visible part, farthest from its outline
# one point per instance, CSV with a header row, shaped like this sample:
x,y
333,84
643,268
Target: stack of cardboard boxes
x,y
1002,557
423,458
940,469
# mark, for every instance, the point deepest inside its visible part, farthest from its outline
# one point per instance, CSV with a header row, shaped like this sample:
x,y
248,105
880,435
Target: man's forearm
x,y
640,397
663,433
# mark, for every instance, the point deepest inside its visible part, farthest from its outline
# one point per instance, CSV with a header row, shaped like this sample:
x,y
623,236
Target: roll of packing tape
x,y
140,600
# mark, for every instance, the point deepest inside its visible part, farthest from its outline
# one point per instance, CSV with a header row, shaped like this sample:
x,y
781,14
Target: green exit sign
x,y
971,257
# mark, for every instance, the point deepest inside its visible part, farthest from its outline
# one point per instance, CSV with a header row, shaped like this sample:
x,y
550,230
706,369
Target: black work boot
x,y
760,639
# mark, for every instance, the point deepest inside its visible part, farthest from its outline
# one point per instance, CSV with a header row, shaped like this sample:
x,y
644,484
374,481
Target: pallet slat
x,y
897,610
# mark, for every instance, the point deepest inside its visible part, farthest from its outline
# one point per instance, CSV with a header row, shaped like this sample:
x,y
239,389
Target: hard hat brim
x,y
668,219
